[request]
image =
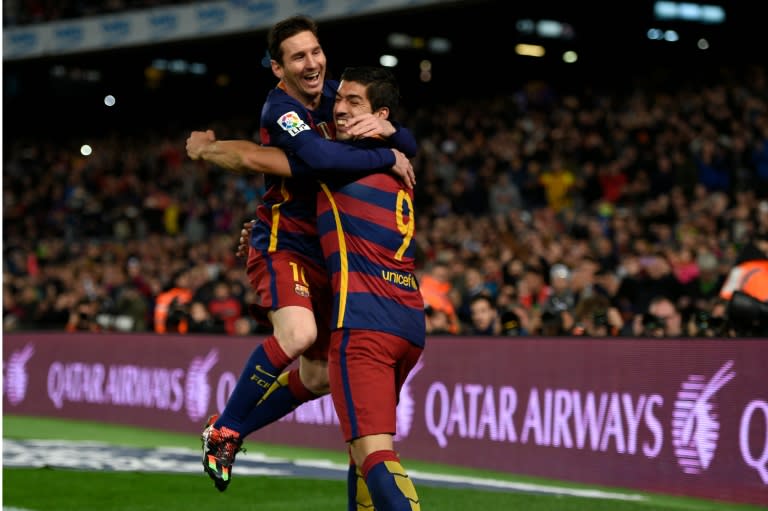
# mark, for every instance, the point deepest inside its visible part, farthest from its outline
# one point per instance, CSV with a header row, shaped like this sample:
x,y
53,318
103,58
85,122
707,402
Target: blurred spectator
x,y
201,321
504,196
472,285
485,318
704,324
131,310
512,324
594,316
83,317
435,288
225,307
662,319
244,326
645,277
558,182
561,296
703,290
437,321
171,306
746,290
533,290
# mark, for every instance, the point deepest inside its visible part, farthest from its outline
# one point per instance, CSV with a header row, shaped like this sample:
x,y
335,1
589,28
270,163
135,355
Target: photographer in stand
x,y
746,291
82,317
661,319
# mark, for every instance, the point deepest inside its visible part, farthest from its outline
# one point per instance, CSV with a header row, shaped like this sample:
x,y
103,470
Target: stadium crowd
x,y
540,213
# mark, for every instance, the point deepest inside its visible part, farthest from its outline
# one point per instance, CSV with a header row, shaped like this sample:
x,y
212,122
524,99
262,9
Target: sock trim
x,y
375,458
276,354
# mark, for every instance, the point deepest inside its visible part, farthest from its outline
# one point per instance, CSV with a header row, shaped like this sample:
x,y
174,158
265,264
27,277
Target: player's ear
x,y
382,113
277,69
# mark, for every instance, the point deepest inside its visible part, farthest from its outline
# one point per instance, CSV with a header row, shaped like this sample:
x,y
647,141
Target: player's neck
x,y
310,102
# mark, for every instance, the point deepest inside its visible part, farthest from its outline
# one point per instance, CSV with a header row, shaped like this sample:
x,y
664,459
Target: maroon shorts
x,y
367,369
287,278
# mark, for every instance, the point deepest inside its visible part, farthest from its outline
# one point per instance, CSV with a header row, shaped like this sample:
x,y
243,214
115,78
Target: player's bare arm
x,y
238,156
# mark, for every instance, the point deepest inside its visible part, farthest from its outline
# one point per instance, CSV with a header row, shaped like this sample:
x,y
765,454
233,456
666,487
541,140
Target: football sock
x,y
391,488
260,372
281,399
358,497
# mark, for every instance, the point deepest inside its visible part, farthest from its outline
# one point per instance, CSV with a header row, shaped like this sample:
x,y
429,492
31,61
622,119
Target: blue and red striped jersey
x,y
367,229
287,216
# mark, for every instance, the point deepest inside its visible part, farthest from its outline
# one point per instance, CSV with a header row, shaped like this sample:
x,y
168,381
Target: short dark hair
x,y
380,83
482,297
284,29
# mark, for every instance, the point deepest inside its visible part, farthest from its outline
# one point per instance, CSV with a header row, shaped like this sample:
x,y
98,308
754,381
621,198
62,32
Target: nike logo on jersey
x,y
262,371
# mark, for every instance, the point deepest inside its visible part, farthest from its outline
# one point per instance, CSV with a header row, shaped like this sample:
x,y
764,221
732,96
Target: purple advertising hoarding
x,y
680,417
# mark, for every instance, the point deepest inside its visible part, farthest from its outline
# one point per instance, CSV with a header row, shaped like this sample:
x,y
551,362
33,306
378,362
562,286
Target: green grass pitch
x,y
54,489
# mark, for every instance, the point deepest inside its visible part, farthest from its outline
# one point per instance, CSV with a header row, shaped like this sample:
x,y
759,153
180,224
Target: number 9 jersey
x,y
367,229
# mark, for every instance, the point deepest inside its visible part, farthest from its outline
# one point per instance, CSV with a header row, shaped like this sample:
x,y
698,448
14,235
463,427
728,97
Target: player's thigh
x,y
362,371
281,279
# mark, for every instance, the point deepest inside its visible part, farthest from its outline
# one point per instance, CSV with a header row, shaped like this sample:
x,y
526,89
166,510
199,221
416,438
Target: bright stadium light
x,y
570,57
689,11
655,34
439,45
388,60
530,50
549,28
712,14
525,26
86,150
198,68
398,40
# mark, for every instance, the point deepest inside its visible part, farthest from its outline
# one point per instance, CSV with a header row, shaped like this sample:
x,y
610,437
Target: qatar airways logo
x,y
16,379
695,424
406,408
571,419
129,385
198,388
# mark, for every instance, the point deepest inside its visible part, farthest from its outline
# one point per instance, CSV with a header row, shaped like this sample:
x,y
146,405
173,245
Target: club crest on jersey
x,y
301,290
292,123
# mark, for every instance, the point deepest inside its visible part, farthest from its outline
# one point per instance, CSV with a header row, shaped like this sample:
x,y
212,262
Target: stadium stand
x,y
632,193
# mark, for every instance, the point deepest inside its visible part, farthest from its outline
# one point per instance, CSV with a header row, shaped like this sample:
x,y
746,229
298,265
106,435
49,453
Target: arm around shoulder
x,y
238,156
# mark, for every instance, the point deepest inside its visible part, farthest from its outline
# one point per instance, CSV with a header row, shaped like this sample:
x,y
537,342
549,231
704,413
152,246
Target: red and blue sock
x,y
281,399
391,488
260,372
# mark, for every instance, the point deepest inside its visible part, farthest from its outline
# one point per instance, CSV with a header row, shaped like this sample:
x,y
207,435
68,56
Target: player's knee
x,y
296,338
